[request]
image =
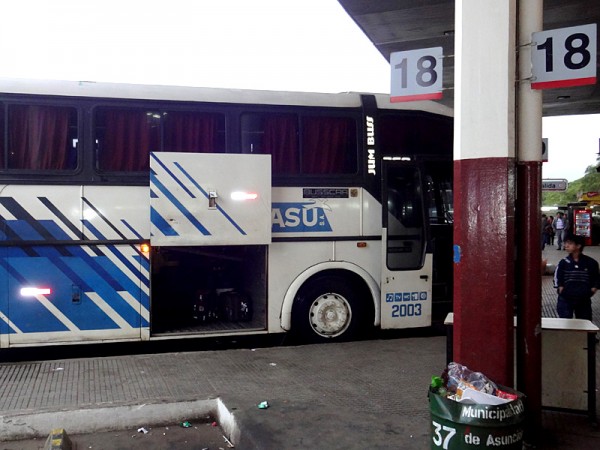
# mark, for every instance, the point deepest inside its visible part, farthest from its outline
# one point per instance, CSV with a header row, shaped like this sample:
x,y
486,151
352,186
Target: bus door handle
x,y
212,199
424,277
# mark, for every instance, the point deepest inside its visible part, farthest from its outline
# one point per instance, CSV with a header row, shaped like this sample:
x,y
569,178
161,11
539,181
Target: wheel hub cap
x,y
330,315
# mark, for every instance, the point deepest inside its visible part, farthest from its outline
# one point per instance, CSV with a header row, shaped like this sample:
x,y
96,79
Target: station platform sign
x,y
558,184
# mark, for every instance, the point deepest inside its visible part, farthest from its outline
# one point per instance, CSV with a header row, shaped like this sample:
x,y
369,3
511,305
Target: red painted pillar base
x,y
484,192
529,308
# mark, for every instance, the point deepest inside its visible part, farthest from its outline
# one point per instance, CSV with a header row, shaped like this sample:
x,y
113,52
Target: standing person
x,y
544,232
577,279
560,226
550,231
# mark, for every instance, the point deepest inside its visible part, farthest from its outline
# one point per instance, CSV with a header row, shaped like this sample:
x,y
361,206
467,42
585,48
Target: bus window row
x,y
46,138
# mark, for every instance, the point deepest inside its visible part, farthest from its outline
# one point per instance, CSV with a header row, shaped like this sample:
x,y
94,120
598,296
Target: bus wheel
x,y
327,309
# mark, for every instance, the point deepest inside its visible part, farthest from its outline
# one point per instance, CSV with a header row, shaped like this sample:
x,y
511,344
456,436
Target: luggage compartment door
x,y
210,199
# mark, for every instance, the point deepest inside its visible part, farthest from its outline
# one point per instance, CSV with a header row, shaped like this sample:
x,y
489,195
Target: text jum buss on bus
x,y
142,212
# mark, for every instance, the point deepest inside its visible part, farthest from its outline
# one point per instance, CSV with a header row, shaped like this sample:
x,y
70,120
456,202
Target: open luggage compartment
x,y
213,289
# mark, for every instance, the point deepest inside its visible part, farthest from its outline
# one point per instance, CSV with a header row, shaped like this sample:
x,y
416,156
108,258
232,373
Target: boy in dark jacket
x,y
577,279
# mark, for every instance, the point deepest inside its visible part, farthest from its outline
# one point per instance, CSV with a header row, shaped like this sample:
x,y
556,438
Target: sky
x,y
297,45
573,145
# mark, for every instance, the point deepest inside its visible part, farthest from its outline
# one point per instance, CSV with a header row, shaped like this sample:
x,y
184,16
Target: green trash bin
x,y
457,425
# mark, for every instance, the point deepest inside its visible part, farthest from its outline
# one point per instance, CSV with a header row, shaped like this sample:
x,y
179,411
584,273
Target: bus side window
x,y
405,209
438,194
41,137
190,131
274,134
124,139
405,238
329,145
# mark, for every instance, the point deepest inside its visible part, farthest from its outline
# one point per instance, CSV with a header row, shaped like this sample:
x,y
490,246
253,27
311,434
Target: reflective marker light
x,y
33,291
145,247
238,195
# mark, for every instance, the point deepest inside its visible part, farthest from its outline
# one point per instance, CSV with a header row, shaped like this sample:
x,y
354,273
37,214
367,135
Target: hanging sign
x,y
416,75
564,57
544,149
559,184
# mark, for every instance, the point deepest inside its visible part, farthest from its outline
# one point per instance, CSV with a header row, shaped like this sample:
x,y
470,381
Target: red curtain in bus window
x,y
191,132
38,137
129,137
281,142
325,142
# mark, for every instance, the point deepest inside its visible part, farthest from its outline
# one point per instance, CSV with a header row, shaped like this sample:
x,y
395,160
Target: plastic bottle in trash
x,y
437,386
459,377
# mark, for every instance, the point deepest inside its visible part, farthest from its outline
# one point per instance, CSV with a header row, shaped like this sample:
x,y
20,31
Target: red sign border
x,y
413,98
564,83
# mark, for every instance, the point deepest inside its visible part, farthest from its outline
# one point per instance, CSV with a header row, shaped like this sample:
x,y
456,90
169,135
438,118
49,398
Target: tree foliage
x,y
590,182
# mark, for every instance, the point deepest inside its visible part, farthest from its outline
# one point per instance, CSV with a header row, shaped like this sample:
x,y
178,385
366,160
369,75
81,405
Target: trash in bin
x,y
472,387
466,412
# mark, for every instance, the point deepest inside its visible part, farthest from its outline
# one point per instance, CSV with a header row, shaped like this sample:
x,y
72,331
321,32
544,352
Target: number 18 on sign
x,y
564,57
416,75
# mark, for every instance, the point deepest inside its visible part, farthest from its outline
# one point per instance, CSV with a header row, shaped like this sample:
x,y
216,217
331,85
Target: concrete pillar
x,y
529,181
484,186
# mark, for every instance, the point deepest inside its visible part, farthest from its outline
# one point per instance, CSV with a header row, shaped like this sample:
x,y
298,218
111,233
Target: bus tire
x,y
327,309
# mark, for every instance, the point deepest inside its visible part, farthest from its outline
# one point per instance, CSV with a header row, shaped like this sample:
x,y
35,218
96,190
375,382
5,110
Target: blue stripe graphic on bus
x,y
296,217
61,217
105,289
160,223
108,287
107,270
91,273
104,218
27,314
25,223
90,317
20,230
172,175
5,234
175,201
24,230
55,231
221,210
130,228
114,251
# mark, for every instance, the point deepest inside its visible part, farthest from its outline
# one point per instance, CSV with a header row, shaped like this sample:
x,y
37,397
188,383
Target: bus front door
x,y
406,273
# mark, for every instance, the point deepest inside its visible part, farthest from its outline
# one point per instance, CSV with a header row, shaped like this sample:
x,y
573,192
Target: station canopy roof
x,y
400,25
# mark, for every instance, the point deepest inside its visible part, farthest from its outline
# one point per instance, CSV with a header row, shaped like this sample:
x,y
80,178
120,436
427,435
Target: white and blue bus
x,y
133,213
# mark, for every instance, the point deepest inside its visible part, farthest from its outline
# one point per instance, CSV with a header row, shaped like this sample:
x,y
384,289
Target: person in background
x,y
550,231
544,231
560,226
576,279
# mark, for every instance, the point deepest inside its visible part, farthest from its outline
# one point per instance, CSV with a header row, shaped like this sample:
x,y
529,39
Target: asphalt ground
x,y
365,394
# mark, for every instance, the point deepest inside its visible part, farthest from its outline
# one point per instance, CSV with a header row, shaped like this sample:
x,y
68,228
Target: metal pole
x,y
529,178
